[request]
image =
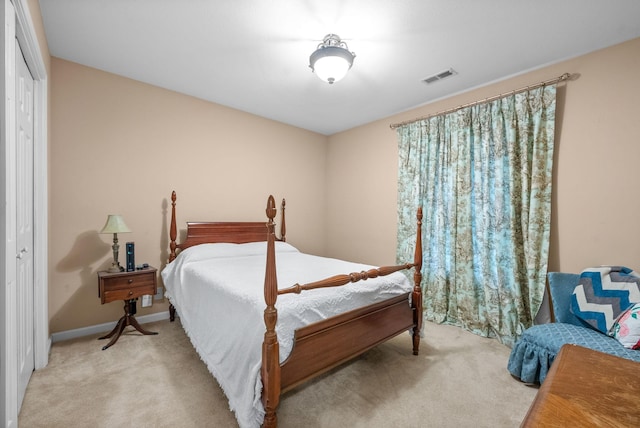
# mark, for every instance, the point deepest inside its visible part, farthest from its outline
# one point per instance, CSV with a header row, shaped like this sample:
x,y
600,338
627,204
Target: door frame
x,y
17,11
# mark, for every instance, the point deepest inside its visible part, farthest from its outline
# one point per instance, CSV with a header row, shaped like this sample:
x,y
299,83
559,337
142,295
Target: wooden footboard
x,y
326,344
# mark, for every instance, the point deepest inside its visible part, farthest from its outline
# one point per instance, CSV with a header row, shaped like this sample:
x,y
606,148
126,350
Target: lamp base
x,y
114,268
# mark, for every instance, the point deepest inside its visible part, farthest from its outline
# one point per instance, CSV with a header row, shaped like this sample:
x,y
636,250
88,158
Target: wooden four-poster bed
x,y
317,346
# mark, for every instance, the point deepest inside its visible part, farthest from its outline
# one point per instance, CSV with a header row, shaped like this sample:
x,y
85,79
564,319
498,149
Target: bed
x,y
260,341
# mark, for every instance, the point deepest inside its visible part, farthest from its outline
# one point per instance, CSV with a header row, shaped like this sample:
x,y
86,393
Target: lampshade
x,y
115,224
332,59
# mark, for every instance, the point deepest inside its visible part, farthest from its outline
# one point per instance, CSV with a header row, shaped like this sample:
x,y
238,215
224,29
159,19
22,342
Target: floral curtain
x,y
483,177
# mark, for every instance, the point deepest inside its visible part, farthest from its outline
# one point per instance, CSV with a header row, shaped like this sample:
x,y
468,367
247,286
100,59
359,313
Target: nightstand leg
x,y
130,310
115,329
127,319
120,328
134,323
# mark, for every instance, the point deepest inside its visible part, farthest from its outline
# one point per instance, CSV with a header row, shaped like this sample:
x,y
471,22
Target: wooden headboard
x,y
212,232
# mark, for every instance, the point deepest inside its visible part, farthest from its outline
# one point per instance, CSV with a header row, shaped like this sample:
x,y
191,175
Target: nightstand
x,y
127,286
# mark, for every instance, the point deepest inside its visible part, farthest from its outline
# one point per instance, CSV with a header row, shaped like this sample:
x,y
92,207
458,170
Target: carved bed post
x,y
173,235
270,370
416,297
283,225
173,230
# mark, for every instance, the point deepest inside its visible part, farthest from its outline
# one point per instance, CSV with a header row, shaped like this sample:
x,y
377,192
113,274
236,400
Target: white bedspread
x,y
218,291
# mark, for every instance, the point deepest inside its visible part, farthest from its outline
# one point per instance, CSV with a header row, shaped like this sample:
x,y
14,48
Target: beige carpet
x,y
459,380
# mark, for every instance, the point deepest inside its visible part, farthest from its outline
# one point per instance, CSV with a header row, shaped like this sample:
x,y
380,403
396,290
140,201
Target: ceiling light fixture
x,y
332,59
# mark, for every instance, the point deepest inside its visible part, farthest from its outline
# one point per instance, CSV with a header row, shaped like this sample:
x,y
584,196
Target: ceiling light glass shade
x,y
332,60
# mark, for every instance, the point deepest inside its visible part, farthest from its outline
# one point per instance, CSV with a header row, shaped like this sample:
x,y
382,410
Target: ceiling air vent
x,y
439,76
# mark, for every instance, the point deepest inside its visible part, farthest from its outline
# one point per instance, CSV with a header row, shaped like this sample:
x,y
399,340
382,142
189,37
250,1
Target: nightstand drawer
x,y
129,281
128,293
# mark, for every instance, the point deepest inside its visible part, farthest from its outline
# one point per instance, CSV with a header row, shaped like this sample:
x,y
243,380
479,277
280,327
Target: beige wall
x,y
120,147
596,199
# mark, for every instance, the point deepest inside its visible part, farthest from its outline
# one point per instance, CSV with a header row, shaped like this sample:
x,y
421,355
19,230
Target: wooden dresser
x,y
586,388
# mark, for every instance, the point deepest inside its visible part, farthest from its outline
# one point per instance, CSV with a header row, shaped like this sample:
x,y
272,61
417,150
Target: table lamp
x,y
115,224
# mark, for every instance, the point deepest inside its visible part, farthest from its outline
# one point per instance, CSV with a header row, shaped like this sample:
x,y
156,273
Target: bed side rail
x,y
342,279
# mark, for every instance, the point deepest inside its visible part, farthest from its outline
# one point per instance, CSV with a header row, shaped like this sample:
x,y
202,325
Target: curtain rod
x,y
562,78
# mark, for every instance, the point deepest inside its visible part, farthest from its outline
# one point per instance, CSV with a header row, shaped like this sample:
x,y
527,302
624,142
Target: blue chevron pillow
x,y
603,294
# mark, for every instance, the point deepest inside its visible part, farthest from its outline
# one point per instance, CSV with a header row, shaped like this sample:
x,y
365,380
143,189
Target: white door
x,y
24,222
33,331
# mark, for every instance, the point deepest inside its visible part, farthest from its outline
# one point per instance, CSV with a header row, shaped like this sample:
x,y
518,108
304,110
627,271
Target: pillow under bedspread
x,y
535,351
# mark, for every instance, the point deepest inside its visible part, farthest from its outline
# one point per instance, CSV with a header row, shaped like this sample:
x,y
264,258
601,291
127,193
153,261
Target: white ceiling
x,y
253,55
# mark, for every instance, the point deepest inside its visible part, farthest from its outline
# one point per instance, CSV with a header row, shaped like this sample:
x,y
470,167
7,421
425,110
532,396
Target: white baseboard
x,y
100,328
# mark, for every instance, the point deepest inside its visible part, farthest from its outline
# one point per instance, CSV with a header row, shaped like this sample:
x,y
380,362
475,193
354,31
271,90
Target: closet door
x,y
24,223
24,329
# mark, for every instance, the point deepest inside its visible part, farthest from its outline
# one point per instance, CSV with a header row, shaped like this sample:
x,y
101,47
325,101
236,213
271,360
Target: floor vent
x,y
439,76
